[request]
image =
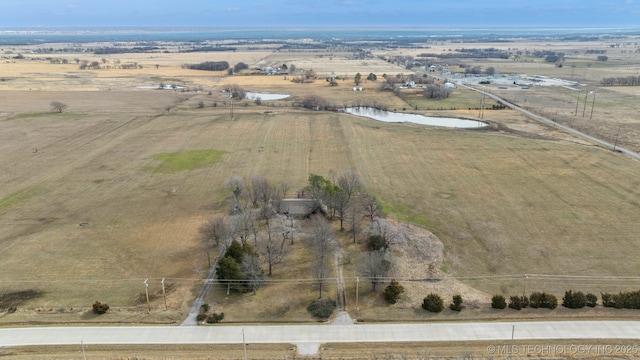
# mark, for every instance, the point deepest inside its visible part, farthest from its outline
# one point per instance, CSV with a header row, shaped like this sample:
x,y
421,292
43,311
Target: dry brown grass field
x,y
85,217
364,351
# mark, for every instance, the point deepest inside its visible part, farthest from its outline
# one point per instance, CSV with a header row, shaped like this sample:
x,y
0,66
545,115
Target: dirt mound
x,y
422,254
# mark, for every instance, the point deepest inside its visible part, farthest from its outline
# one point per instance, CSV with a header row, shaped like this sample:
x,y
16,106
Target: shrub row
x,y
571,300
623,300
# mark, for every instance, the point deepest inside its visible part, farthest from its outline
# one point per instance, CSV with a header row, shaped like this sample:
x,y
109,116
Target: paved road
x,y
309,337
553,123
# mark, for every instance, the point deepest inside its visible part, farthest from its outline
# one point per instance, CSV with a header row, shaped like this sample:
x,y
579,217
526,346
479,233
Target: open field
x,y
87,214
578,349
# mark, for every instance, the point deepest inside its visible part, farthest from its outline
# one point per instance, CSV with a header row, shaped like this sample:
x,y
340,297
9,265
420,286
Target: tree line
x,y
208,66
621,81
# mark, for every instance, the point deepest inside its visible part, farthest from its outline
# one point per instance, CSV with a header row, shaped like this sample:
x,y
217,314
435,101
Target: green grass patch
x,y
460,99
404,213
184,160
18,196
42,114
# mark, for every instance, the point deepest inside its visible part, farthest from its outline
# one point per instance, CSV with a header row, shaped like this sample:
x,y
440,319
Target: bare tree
x,y
58,106
371,207
253,273
321,243
242,225
237,186
349,182
385,233
214,230
260,191
284,188
340,202
272,250
375,266
353,216
287,227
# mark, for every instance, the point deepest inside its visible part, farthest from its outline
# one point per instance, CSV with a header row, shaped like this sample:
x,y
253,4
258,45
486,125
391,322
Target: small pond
x,y
389,116
265,96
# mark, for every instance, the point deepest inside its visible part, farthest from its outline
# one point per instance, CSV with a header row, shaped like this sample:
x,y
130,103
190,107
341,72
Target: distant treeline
x,y
548,55
621,81
209,48
596,52
490,53
208,66
117,50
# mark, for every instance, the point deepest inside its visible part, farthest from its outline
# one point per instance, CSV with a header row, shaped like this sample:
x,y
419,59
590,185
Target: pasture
x,y
86,217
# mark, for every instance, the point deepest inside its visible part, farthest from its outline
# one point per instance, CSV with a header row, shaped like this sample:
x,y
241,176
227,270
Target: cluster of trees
x,y
239,268
253,235
436,92
550,56
237,68
58,61
621,81
308,76
235,91
622,300
434,303
103,64
315,102
208,66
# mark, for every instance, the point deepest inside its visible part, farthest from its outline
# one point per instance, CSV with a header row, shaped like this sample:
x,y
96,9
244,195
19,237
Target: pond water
x,y
389,116
265,96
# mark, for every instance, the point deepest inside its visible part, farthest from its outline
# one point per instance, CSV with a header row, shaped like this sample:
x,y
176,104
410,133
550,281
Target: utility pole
x,y
616,143
164,294
357,293
577,101
592,104
84,356
584,108
231,107
146,292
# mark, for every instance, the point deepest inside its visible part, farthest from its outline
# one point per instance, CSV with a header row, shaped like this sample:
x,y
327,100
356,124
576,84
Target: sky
x,y
320,13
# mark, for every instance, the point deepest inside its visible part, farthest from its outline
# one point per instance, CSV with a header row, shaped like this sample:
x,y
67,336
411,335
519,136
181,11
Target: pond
x,y
265,96
389,116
